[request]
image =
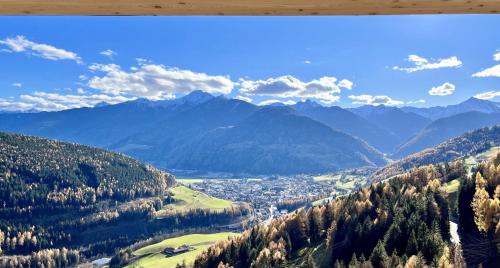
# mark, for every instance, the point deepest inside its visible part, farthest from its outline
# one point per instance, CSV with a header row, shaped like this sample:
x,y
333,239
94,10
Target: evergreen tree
x,y
379,255
354,261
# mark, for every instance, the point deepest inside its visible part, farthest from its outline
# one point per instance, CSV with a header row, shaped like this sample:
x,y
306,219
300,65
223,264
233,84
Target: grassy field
x,y
152,256
189,180
348,185
491,153
253,179
187,199
327,177
321,201
452,186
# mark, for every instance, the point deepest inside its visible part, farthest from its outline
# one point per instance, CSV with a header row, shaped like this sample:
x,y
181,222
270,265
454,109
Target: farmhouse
x,y
170,251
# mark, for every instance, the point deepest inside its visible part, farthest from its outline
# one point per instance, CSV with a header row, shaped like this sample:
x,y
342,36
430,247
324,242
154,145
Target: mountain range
x,y
470,105
233,136
446,128
468,144
202,133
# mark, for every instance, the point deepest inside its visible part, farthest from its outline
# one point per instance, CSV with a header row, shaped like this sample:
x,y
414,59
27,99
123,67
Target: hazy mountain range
x,y
204,133
470,143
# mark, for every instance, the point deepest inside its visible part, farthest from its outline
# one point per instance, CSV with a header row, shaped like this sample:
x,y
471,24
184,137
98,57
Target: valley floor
x,y
276,195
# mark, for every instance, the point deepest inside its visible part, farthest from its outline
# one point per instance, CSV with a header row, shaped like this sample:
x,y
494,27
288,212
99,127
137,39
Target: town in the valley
x,y
273,196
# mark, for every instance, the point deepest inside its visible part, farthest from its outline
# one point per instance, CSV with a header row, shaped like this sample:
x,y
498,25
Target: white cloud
x,y
496,56
21,44
12,106
80,91
83,77
492,71
307,62
155,81
442,90
421,63
323,89
269,102
44,101
489,72
243,98
374,100
17,84
416,102
344,83
108,53
488,95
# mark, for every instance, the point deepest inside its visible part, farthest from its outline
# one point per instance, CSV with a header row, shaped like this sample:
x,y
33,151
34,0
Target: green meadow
x,y
152,256
187,198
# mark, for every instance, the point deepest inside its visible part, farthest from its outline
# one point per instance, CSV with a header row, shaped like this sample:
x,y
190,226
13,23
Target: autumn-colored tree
x,y
480,203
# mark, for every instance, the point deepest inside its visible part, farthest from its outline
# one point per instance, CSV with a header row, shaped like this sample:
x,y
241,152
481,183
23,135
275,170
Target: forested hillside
x,y
61,202
468,144
402,222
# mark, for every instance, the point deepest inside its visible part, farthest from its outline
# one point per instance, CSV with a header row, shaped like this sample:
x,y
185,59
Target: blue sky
x,y
52,63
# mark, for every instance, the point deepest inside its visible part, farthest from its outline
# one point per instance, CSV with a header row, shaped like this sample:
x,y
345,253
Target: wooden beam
x,y
246,7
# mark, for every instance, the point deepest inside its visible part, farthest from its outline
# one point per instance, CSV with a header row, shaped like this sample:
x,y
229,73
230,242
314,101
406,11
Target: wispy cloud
x,y
17,84
442,90
493,71
155,81
375,100
415,102
108,53
488,95
44,101
307,62
21,44
269,102
14,106
243,98
420,63
323,89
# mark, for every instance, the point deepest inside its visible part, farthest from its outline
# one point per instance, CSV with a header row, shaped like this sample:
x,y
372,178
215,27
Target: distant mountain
x,y
470,143
470,105
236,137
204,133
350,123
154,143
446,128
99,126
402,124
